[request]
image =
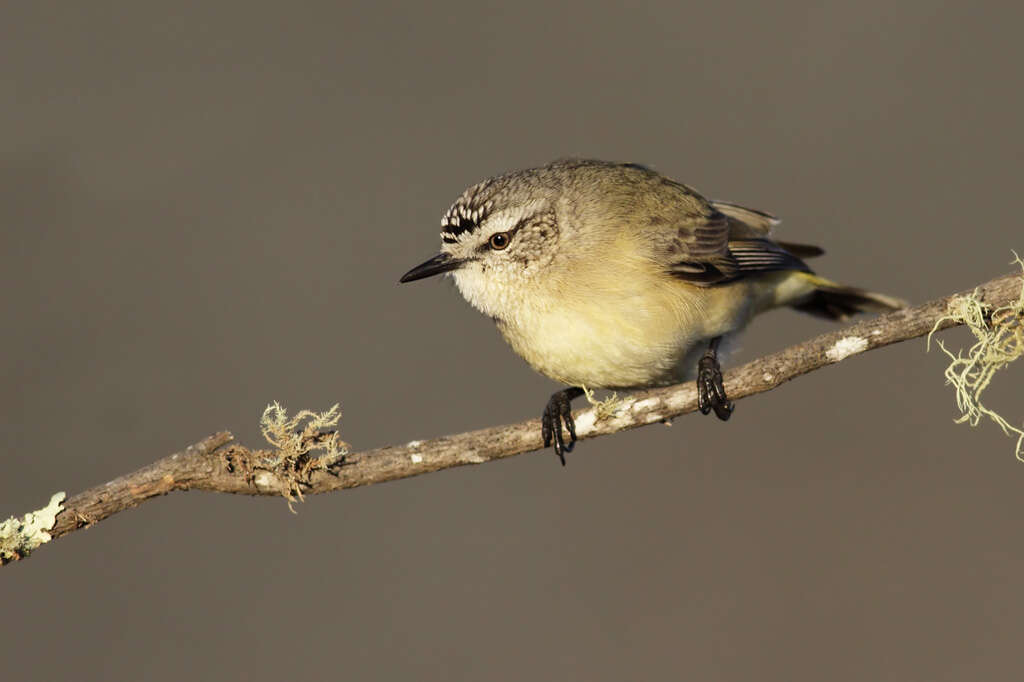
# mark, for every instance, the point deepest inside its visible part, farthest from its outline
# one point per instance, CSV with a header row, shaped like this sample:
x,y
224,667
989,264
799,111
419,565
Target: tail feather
x,y
837,302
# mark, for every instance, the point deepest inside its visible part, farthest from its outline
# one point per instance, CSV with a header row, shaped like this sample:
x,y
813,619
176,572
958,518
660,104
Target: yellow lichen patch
x,y
1000,341
295,438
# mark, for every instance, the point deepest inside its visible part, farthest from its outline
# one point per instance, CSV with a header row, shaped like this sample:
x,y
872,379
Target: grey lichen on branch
x,y
999,334
20,537
303,443
219,464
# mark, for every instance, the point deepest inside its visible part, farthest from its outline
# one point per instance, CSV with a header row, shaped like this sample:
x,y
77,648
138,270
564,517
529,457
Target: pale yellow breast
x,y
621,328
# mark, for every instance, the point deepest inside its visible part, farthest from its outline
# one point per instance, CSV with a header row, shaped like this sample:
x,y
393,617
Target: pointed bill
x,y
440,263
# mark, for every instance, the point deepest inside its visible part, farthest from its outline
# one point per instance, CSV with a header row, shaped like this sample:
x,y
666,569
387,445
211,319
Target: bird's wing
x,y
714,242
698,250
707,255
763,255
749,223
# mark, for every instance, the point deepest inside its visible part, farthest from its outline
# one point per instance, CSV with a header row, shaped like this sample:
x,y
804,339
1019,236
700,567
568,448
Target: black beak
x,y
442,262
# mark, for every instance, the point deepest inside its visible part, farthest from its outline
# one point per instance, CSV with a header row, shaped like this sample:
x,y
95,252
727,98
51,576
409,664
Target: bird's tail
x,y
837,302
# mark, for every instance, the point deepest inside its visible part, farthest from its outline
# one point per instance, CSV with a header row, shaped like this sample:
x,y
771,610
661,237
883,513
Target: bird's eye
x,y
499,240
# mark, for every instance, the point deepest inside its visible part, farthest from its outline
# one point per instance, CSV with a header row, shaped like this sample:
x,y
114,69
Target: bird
x,y
608,275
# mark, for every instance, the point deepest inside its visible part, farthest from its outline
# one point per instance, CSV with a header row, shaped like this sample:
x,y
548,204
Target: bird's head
x,y
497,239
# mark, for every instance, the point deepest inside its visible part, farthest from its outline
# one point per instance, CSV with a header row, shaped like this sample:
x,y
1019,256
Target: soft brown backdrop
x,y
207,207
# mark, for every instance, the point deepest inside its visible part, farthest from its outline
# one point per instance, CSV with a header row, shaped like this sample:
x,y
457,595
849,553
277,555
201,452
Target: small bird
x,y
611,275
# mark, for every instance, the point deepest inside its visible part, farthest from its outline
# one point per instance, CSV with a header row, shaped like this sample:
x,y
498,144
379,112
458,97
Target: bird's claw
x,y
557,413
710,391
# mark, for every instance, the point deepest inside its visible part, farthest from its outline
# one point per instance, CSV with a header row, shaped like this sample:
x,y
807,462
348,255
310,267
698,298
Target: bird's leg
x,y
710,391
557,412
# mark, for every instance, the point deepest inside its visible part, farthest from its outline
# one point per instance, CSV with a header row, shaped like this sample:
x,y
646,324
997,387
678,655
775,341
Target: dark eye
x,y
499,240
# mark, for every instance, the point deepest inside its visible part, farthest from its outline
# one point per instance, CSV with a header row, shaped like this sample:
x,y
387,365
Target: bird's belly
x,y
627,344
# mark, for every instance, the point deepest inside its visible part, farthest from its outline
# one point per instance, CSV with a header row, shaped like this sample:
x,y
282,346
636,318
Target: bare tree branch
x,y
219,464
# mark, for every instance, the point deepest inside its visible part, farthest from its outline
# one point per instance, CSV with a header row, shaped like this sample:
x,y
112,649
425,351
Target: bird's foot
x,y
710,391
558,412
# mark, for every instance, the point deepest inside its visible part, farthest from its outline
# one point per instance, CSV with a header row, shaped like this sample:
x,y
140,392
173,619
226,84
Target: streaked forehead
x,y
493,196
465,215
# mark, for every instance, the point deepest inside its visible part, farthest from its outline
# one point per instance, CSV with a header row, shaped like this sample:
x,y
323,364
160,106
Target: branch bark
x,y
219,464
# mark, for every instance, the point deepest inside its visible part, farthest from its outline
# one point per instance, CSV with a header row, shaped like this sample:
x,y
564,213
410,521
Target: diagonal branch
x,y
218,464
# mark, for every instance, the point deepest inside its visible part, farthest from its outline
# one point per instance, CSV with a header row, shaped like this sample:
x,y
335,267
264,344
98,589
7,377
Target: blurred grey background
x,y
206,207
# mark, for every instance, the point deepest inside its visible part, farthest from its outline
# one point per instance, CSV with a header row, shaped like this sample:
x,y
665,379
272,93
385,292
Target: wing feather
x,y
746,222
744,257
728,242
